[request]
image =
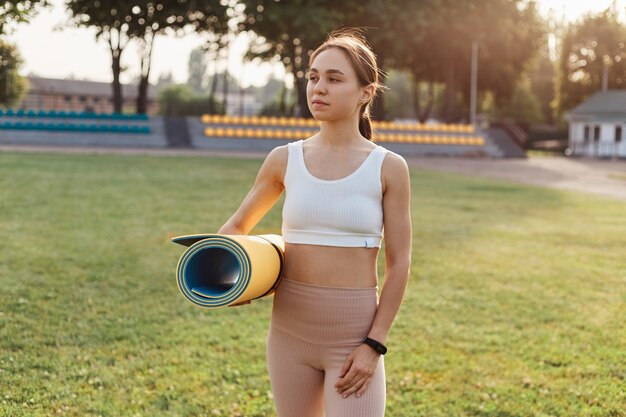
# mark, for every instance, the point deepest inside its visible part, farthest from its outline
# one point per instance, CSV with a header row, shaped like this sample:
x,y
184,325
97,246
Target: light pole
x,y
474,78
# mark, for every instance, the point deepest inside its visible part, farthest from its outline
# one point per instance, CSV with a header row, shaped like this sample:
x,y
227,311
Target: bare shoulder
x,y
394,169
276,162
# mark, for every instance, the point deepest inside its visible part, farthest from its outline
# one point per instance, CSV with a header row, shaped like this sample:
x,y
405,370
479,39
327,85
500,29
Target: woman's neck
x,y
343,132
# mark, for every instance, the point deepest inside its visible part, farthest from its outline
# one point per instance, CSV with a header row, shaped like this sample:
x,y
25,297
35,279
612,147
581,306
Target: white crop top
x,y
343,212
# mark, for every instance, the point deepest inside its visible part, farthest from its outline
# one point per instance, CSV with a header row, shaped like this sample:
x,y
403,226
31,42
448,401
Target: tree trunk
x,y
303,105
213,89
450,96
422,115
144,82
116,68
225,90
378,107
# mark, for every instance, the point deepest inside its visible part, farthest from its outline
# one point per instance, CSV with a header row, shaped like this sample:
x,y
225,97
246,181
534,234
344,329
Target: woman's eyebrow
x,y
330,71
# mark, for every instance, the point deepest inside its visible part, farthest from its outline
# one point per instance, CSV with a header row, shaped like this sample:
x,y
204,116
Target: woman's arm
x,y
398,242
266,190
358,369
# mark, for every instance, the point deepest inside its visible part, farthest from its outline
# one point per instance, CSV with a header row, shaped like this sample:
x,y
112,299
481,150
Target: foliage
x,y
587,45
523,107
180,100
12,85
118,22
288,32
17,11
441,33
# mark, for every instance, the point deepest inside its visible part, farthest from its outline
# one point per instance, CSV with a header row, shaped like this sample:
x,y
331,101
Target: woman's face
x,y
333,81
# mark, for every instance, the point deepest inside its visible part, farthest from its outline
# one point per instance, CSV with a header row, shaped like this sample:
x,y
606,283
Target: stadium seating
x,y
30,121
291,128
72,115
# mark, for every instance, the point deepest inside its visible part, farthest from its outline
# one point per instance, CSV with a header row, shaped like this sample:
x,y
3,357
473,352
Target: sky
x,y
50,47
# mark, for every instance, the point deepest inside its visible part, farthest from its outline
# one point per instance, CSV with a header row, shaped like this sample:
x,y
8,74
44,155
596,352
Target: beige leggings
x,y
312,331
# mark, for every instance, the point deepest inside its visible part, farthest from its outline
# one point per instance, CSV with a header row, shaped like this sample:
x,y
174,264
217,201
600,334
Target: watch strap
x,y
375,344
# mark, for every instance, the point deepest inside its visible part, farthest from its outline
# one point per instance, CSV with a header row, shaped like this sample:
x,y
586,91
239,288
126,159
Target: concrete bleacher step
x,y
509,148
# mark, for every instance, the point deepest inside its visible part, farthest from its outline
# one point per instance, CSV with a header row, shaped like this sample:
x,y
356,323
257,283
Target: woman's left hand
x,y
357,372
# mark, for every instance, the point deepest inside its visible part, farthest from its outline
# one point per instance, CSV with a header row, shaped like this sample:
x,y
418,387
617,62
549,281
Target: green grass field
x,y
515,306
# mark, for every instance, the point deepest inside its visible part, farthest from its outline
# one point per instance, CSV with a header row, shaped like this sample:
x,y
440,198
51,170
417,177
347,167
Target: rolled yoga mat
x,y
219,270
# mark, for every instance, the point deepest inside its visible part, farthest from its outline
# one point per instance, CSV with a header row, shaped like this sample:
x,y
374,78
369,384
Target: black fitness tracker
x,y
376,345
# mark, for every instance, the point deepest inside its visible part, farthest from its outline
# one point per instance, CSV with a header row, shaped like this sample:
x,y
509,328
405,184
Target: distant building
x,y
240,103
597,126
79,95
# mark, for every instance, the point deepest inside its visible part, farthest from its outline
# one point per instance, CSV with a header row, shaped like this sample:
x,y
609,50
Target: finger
x,y
363,388
348,380
354,388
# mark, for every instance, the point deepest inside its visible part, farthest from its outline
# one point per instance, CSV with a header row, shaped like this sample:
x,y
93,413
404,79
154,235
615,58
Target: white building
x,y
597,127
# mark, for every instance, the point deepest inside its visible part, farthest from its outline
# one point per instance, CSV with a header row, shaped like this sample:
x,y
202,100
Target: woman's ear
x,y
367,93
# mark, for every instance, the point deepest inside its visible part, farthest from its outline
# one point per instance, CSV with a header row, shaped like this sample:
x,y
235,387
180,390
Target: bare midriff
x,y
332,266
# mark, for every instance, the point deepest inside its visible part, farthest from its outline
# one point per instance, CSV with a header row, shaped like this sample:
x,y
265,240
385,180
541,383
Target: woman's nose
x,y
319,88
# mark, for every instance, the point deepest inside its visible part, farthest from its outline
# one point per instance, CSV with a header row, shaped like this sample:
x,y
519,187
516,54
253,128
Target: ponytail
x,y
365,123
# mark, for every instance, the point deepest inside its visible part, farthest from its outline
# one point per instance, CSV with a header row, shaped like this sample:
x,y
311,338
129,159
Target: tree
x,y
438,49
523,107
14,11
595,41
380,19
288,32
12,85
110,18
150,19
197,67
119,22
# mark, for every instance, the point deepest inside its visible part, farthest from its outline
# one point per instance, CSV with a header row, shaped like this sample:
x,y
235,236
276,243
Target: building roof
x,y
81,87
609,104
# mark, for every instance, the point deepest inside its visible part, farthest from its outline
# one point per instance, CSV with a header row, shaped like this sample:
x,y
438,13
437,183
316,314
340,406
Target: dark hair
x,y
363,60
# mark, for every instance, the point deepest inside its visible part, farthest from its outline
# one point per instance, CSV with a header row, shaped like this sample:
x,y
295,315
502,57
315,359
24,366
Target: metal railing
x,y
598,149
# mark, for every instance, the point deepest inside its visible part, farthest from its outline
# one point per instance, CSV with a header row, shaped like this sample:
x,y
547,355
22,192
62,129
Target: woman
x,y
328,327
